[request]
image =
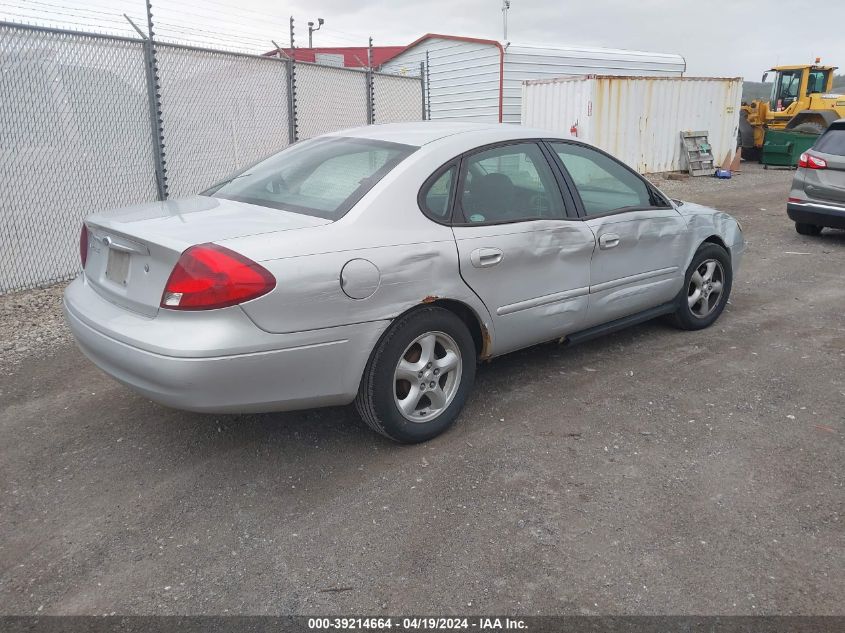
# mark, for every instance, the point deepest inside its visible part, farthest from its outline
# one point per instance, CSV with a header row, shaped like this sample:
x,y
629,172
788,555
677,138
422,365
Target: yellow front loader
x,y
801,100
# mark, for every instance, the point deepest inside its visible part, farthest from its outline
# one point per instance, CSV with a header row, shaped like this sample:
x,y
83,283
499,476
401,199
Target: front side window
x,y
508,184
324,177
604,184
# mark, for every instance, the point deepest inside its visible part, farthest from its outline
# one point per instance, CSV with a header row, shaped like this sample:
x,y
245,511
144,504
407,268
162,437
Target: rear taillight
x,y
812,162
83,245
209,276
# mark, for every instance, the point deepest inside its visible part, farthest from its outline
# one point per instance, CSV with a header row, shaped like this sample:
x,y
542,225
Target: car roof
x,y
423,132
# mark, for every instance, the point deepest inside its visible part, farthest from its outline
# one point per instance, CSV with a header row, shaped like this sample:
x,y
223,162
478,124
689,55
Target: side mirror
x,y
765,77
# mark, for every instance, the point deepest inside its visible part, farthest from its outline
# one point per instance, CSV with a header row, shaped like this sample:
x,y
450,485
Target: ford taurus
x,y
378,265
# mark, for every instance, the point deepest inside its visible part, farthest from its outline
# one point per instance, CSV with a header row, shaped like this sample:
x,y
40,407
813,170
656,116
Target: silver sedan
x,y
379,265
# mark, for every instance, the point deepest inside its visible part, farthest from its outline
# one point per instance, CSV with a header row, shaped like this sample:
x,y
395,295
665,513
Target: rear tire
x,y
707,287
418,377
807,229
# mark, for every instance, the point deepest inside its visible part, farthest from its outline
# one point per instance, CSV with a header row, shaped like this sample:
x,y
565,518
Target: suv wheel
x,y
807,229
418,377
707,286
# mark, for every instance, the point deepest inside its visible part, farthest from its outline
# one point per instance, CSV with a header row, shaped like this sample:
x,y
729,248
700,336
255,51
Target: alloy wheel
x,y
427,376
705,288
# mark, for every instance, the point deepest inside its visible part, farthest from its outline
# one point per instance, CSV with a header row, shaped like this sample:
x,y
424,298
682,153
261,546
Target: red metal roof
x,y
353,56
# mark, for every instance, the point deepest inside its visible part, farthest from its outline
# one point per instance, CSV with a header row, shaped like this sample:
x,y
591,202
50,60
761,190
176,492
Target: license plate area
x,y
117,266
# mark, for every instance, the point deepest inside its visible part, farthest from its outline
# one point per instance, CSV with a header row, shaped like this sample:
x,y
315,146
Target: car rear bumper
x,y
219,361
815,213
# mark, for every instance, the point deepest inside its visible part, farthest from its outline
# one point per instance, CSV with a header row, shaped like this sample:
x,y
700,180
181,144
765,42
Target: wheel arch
x,y
718,241
480,333
708,238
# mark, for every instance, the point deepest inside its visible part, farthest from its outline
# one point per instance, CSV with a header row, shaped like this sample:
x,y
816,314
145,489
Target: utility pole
x,y
312,30
291,35
293,131
371,107
506,4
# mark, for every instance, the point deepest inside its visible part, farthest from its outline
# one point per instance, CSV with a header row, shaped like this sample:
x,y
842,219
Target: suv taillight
x,y
209,276
83,245
812,162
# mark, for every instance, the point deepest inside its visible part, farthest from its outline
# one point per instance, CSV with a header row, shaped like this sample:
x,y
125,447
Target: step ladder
x,y
699,153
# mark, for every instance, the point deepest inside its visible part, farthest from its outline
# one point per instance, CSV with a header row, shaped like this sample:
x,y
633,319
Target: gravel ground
x,y
753,176
649,472
31,325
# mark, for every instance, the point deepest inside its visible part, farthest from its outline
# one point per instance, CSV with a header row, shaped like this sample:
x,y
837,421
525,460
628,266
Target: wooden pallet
x,y
699,153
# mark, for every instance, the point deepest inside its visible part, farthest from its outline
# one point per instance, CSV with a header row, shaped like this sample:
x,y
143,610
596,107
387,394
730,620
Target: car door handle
x,y
484,257
609,240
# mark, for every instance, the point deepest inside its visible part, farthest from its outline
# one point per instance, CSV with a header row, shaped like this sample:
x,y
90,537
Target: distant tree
x,y
753,90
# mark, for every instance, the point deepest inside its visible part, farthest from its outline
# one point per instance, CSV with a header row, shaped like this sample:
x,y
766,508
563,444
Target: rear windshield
x,y
323,177
832,142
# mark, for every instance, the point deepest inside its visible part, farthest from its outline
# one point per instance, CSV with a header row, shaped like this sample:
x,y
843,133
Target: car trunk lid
x,y
132,251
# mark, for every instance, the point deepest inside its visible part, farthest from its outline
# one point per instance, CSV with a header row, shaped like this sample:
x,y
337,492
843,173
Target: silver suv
x,y
817,198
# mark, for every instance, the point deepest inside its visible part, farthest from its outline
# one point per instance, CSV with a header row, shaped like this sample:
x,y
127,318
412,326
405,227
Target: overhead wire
x,y
46,13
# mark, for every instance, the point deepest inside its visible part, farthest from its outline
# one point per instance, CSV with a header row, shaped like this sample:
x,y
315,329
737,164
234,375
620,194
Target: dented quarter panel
x,y
408,274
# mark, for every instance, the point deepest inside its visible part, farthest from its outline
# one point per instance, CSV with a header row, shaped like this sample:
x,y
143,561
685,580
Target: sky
x,y
724,38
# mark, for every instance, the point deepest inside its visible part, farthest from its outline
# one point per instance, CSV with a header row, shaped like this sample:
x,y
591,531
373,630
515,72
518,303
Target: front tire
x,y
807,229
418,377
707,287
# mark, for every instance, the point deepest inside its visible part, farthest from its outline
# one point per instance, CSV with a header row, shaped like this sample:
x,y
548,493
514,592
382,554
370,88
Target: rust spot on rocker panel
x,y
486,343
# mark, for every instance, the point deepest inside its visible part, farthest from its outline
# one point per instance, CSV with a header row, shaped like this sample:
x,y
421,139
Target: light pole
x,y
311,30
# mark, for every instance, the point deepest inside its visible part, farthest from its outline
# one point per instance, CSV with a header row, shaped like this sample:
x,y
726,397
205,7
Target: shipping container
x,y
473,79
638,119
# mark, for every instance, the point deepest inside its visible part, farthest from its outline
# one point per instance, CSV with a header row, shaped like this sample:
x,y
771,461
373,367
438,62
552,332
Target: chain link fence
x,y
395,99
222,112
329,98
80,113
74,138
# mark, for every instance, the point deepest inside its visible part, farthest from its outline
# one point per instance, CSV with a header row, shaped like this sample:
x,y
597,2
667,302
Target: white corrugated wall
x,y
463,76
541,62
638,119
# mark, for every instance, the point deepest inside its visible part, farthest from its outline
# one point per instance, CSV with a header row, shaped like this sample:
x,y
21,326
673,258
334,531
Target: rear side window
x,y
604,184
510,183
832,142
324,177
437,195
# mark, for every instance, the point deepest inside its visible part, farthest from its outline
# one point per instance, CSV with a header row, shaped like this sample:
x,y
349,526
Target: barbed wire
x,y
210,23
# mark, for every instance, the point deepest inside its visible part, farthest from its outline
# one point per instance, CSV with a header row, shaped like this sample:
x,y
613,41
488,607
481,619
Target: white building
x,y
481,80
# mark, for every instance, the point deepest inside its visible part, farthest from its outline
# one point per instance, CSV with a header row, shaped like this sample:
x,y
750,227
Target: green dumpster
x,y
784,147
